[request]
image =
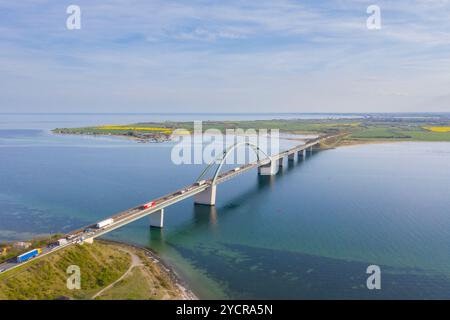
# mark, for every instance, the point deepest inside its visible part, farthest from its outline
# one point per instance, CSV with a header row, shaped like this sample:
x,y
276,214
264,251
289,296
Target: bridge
x,y
203,190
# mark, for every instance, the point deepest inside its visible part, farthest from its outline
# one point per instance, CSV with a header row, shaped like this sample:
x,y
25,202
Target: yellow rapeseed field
x,y
438,129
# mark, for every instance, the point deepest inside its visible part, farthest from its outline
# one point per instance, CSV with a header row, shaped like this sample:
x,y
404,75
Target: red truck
x,y
148,205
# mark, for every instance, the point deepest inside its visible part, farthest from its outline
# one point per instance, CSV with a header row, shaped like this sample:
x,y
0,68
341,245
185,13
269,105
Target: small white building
x,y
21,245
62,242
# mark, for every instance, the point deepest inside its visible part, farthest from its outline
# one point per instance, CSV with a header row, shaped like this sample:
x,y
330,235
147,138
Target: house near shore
x,y
21,245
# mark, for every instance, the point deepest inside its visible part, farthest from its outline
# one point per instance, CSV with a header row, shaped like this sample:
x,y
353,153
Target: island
x,y
367,128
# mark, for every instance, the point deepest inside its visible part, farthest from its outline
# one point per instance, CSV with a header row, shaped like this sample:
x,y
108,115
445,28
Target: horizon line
x,y
222,113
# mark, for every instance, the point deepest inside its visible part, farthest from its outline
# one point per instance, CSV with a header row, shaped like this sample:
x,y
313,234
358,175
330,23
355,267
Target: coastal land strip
x,y
365,129
108,270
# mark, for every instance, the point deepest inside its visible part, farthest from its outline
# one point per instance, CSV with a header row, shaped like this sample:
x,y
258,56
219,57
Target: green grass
x,y
380,133
45,278
430,136
399,133
145,282
134,287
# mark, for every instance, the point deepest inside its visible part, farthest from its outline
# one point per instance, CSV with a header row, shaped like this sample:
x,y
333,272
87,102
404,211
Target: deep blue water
x,y
309,232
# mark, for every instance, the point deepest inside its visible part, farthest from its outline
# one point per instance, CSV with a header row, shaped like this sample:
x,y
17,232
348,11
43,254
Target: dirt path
x,y
135,262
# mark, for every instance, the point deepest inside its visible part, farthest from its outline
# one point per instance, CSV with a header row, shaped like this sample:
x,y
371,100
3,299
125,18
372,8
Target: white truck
x,y
104,223
62,242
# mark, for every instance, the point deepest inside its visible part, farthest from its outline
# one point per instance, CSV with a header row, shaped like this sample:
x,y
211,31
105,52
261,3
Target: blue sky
x,y
224,56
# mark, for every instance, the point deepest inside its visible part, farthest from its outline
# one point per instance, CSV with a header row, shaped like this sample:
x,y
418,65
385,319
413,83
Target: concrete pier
x,y
269,169
207,197
302,153
293,157
157,219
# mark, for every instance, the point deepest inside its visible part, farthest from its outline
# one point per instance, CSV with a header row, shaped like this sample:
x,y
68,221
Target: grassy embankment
x,y
100,264
147,281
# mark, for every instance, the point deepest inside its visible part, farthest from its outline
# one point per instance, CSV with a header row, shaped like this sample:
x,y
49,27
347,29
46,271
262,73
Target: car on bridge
x,y
104,223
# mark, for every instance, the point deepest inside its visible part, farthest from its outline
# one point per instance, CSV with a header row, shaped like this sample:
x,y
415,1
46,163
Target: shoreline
x,y
355,142
177,280
344,143
114,136
119,136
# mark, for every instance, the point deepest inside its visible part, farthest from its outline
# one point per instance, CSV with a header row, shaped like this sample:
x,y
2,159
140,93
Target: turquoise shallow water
x,y
309,232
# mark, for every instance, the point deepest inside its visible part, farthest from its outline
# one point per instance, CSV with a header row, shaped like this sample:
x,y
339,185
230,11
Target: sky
x,y
225,56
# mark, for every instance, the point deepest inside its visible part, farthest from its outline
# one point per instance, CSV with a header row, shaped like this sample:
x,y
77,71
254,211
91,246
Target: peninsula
x,y
362,129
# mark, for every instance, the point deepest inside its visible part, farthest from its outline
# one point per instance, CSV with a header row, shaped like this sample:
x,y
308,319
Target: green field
x,y
414,133
143,283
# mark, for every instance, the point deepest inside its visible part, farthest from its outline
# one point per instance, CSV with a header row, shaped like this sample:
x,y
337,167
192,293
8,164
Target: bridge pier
x,y
302,153
207,196
281,162
157,219
269,169
293,157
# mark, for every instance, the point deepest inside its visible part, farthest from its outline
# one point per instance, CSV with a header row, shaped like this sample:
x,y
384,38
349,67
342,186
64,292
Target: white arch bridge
x,y
203,191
